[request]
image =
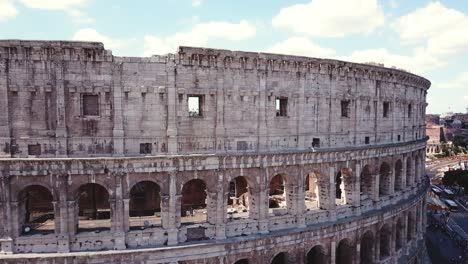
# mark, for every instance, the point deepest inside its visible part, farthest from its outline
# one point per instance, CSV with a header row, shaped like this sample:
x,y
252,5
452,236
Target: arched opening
x,y
399,234
345,252
277,201
410,227
312,193
36,210
316,255
242,261
398,175
384,179
385,240
145,205
409,175
193,205
238,198
366,183
343,186
94,211
279,259
367,248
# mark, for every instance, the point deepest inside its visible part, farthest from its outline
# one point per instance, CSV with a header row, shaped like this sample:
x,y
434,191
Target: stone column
x,y
393,240
173,217
263,211
357,256
404,236
72,217
357,189
332,194
403,175
61,129
333,252
171,70
5,139
118,133
262,116
300,200
392,178
16,223
118,212
377,246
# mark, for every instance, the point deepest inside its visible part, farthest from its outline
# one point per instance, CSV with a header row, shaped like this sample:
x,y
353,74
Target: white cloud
x,y
197,2
71,7
461,81
54,4
7,10
331,18
90,34
444,30
300,46
199,35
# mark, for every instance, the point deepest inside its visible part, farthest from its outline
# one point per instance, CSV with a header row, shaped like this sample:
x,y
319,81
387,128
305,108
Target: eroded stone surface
x,y
340,158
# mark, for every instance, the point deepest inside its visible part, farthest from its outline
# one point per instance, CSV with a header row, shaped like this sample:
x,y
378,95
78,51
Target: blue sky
x,y
429,38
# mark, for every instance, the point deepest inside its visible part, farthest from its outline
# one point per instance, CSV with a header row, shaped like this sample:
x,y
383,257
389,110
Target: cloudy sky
x,y
429,38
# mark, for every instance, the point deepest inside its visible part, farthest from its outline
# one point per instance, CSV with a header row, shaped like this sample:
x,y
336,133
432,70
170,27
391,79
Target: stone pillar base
x,y
119,239
301,222
172,237
6,245
220,232
63,244
263,226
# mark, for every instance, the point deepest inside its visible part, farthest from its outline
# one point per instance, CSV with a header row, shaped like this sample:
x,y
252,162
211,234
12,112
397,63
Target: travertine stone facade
x,y
353,135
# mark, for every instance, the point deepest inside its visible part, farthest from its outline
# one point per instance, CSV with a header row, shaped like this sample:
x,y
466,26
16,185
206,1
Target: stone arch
x,y
16,188
160,179
277,192
400,228
238,198
94,210
316,255
385,235
384,179
345,252
145,205
242,261
367,182
36,214
367,252
398,175
344,186
280,258
194,202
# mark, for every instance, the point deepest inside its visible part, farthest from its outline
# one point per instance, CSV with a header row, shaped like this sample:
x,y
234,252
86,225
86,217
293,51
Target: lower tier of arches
x,y
394,234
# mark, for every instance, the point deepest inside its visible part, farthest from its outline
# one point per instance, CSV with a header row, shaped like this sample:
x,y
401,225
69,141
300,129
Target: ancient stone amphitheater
x,y
207,156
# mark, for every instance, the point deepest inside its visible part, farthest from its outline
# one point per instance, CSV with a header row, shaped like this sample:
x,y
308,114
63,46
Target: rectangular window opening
x,y
409,110
145,148
399,137
195,105
367,140
90,104
386,109
34,150
345,108
316,142
281,107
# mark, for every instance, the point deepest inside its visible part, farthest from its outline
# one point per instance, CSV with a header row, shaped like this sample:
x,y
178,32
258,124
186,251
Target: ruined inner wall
x,y
43,85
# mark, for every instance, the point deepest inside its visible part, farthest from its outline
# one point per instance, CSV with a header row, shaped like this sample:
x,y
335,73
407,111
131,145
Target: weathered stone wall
x,y
144,100
88,117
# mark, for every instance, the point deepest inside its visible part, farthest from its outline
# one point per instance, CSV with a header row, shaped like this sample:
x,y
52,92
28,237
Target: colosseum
x,y
207,156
